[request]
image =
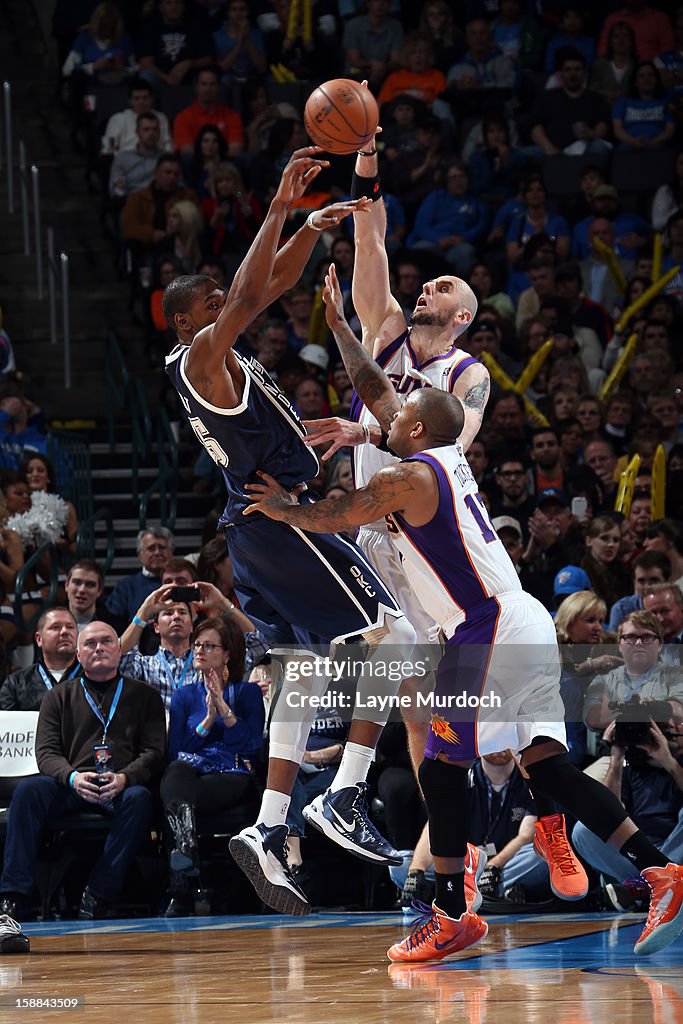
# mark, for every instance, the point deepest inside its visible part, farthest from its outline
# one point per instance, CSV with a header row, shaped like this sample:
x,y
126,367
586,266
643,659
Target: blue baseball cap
x,y
570,579
553,494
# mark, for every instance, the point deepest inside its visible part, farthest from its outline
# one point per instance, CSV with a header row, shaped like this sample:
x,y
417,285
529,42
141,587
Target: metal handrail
x,y
145,414
58,284
9,144
28,624
126,396
168,499
166,438
29,192
86,539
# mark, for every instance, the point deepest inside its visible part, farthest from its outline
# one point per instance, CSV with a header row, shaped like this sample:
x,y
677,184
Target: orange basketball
x,y
341,116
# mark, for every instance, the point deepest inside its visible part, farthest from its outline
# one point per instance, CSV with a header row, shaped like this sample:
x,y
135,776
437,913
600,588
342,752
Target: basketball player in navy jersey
x,y
297,589
500,643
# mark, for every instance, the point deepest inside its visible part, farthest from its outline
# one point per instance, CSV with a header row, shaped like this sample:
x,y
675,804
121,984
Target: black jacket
x,y
24,690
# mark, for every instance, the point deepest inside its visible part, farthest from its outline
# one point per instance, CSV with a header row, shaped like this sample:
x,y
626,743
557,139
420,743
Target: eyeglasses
x,y
644,638
510,474
206,645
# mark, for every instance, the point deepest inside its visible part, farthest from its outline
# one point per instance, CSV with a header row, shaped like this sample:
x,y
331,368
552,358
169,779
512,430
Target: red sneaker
x,y
475,862
568,880
665,918
438,937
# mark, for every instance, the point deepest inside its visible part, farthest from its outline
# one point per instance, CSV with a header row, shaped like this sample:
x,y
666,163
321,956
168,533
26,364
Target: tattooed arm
x,y
472,388
399,488
372,385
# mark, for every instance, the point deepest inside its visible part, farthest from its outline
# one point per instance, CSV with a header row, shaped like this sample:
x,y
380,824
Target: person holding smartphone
x,y
172,666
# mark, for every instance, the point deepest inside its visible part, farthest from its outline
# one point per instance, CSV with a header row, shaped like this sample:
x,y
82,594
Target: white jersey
x,y
403,369
456,561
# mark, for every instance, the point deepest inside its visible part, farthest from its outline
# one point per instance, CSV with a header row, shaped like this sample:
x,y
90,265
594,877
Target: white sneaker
x,y
261,853
12,939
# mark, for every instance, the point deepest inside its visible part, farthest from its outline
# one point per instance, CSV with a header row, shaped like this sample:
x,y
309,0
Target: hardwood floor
x,y
332,969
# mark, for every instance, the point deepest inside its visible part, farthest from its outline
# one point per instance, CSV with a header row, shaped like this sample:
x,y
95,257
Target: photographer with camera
x,y
647,776
640,640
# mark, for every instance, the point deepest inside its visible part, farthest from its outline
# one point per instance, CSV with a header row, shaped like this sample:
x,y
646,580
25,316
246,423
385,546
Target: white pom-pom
x,y
43,523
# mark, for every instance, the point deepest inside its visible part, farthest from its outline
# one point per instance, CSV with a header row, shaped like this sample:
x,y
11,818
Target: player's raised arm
x,y
250,284
378,311
397,488
292,258
472,388
372,385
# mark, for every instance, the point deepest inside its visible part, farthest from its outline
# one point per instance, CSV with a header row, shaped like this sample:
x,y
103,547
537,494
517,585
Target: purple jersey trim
x,y
441,545
460,368
386,353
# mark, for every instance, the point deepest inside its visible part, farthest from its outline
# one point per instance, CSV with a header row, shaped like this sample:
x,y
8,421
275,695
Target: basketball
x,y
341,116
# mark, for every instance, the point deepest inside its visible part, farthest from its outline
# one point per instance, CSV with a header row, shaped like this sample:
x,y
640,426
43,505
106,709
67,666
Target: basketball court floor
x,y
332,968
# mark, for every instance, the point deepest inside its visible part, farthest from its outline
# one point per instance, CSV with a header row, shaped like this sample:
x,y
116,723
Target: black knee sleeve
x,y
445,791
586,799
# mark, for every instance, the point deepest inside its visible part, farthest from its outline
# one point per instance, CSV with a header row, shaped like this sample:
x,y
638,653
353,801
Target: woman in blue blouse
x,y
215,732
642,120
536,219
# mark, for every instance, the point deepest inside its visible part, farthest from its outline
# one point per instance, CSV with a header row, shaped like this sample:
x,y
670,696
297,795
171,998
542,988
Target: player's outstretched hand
x,y
336,432
301,170
330,216
333,299
270,497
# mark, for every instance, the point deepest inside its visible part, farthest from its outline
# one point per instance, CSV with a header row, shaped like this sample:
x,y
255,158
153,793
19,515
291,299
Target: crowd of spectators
x,y
486,108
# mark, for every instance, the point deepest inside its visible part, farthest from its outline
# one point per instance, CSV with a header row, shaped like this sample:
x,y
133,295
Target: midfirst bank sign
x,y
17,743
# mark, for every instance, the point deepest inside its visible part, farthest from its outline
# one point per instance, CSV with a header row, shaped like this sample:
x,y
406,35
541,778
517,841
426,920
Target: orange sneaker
x,y
475,862
665,918
438,937
568,880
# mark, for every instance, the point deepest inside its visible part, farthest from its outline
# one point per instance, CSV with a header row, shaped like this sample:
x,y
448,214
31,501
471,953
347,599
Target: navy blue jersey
x,y
263,432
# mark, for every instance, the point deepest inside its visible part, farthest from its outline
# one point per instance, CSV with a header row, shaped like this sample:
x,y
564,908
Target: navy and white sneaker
x,y
12,939
343,817
261,853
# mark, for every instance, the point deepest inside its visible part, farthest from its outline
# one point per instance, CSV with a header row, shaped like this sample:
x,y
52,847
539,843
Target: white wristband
x,y
366,433
310,224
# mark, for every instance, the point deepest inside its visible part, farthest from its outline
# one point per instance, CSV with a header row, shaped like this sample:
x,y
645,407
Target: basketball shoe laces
x,y
427,925
561,852
359,809
10,924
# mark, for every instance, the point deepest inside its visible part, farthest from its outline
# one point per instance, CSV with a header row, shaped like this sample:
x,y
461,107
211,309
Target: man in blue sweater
x,y
154,549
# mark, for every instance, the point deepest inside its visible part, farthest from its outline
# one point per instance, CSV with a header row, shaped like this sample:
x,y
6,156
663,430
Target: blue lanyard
x,y
46,678
169,674
112,710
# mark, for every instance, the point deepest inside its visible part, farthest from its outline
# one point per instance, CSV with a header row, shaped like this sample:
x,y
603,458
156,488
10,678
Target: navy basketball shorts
x,y
306,588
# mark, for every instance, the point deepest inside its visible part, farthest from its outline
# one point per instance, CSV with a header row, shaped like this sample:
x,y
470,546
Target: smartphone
x,y
579,507
185,594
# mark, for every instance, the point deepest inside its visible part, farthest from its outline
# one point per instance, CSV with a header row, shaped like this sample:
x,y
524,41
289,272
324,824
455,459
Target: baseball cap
x,y
570,579
506,523
605,191
315,354
552,494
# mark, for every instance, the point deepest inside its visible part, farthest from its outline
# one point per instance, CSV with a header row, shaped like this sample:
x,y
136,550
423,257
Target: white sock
x,y
354,767
274,807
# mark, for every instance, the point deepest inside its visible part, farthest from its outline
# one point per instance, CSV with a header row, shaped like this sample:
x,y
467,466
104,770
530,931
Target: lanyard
x,y
169,674
112,710
48,681
503,794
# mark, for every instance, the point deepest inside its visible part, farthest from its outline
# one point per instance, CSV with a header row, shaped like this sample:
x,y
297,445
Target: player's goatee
x,y
424,318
